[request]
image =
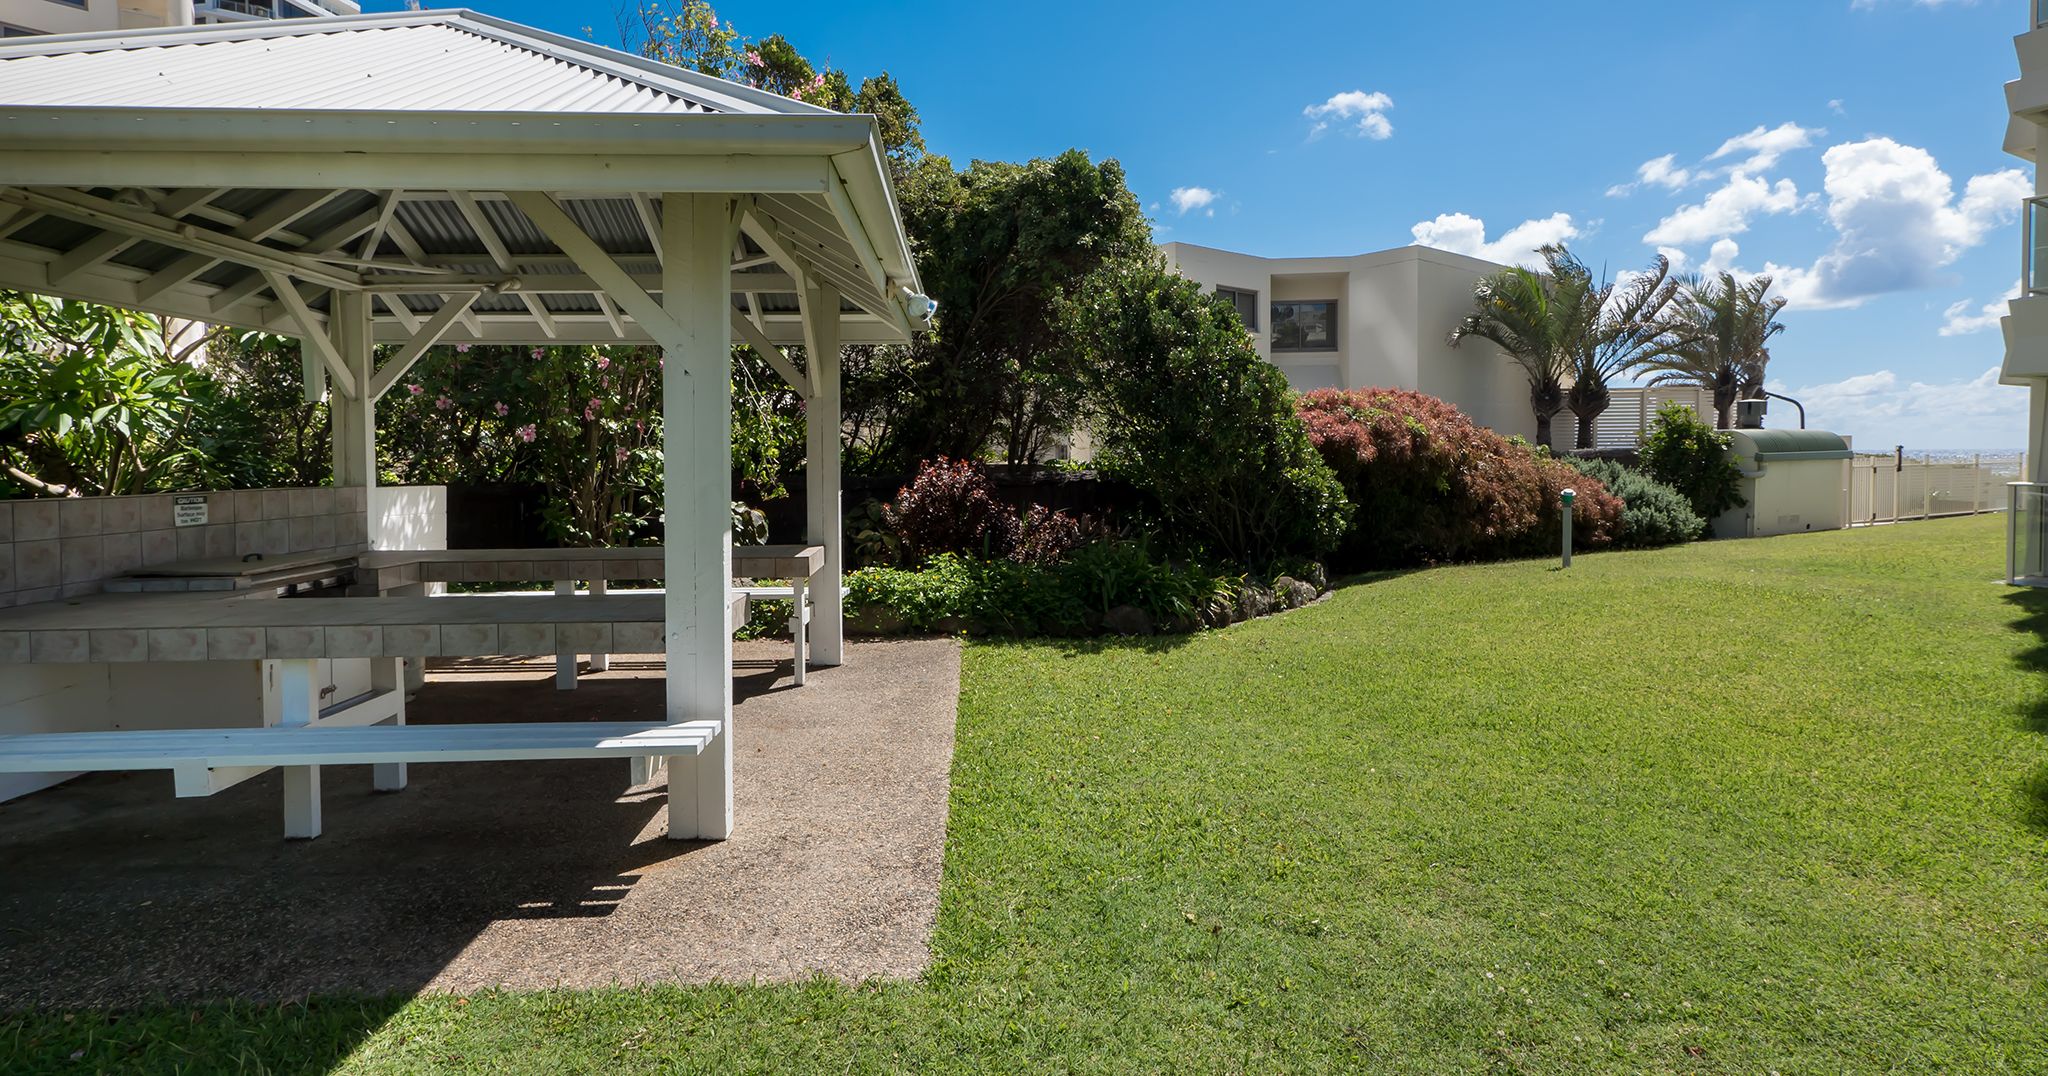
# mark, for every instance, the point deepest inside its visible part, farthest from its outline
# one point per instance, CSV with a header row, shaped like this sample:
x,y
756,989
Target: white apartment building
x,y
1379,320
2026,323
24,17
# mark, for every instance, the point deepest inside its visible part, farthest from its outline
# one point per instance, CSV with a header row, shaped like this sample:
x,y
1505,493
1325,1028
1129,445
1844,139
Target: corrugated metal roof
x,y
404,61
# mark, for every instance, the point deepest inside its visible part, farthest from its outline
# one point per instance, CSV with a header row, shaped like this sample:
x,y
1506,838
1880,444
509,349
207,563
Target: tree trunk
x,y
1587,399
1546,399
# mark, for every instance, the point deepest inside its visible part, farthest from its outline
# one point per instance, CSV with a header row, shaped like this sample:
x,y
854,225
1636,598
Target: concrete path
x,y
521,875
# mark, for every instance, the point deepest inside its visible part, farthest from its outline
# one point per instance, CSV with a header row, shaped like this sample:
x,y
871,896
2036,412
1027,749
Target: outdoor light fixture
x,y
1567,497
919,306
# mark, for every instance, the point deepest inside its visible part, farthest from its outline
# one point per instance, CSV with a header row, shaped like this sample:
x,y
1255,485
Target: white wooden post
x,y
353,417
565,662
1926,485
696,412
299,693
599,662
822,520
388,674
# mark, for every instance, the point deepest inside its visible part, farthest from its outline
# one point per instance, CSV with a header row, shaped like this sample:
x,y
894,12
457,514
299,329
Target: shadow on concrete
x,y
521,875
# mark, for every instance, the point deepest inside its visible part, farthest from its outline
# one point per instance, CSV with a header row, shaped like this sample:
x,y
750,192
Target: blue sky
x,y
1849,146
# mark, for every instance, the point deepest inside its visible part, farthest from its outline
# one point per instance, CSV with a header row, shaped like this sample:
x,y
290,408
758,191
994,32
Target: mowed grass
x,y
1737,807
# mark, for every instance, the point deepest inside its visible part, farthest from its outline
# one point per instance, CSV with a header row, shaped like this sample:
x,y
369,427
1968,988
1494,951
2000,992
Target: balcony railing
x,y
2026,534
2034,257
2040,14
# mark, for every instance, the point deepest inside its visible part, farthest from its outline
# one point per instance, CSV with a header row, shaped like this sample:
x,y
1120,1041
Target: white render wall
x,y
1395,312
2026,325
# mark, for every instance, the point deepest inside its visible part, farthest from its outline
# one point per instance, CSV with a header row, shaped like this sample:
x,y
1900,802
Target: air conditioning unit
x,y
1749,414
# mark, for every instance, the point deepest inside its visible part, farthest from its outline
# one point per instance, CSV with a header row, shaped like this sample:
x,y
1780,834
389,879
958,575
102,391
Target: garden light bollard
x,y
1566,497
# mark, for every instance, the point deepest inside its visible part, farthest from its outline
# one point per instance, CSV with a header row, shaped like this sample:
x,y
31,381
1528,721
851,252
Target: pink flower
x,y
590,409
817,80
604,362
443,403
753,58
414,389
526,433
621,454
501,409
462,349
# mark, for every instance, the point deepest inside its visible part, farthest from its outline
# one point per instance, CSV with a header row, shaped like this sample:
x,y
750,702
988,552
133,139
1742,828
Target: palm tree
x,y
1720,328
1530,316
1619,326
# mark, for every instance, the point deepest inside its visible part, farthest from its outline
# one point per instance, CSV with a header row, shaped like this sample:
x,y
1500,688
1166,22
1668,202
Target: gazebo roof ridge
x,y
524,53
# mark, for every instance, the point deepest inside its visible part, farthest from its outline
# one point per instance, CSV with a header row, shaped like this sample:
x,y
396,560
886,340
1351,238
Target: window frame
x,y
1336,335
1236,291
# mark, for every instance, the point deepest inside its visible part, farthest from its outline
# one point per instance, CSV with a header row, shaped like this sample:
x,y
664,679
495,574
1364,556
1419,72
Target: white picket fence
x,y
1885,489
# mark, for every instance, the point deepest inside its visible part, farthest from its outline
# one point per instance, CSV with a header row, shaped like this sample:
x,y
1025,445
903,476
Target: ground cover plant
x,y
1389,833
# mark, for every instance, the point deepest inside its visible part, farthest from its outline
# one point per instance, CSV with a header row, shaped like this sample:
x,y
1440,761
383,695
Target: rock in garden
x,y
1127,620
1253,600
1293,593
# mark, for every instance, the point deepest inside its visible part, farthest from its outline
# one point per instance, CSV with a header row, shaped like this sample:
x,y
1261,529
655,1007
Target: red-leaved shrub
x,y
1431,485
952,507
1045,536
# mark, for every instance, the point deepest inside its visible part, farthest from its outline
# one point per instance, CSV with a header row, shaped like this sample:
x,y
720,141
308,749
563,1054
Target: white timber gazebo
x,y
444,177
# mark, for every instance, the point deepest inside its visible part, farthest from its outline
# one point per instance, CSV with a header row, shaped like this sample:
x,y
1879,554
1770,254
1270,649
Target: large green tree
x,y
998,244
1184,409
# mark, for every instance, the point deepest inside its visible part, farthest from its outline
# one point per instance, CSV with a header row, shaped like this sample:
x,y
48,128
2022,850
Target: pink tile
x,y
220,540
119,644
79,516
120,553
38,564
235,644
159,547
191,542
121,515
177,644
293,643
154,513
35,520
60,647
277,503
82,559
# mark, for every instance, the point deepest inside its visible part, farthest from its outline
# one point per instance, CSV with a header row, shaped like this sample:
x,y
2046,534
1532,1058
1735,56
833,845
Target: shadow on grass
x,y
1168,642
291,1037
2032,606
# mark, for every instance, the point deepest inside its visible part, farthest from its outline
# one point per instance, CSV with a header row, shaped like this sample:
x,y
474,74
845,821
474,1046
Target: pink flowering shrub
x,y
1431,485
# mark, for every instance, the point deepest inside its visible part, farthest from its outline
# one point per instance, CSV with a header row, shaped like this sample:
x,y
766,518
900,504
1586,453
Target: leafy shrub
x,y
952,507
1596,511
1429,483
1652,513
1067,597
1683,452
1186,411
1045,536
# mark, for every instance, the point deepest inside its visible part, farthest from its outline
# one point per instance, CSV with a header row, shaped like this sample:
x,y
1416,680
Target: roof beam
x,y
495,245
427,336
557,225
261,225
849,221
88,254
312,338
752,336
101,213
544,166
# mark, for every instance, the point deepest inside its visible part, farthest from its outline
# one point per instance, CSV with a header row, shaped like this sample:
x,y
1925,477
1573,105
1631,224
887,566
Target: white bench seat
x,y
173,749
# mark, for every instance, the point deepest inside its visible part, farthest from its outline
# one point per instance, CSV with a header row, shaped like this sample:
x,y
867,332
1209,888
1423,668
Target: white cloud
x,y
1881,409
1188,199
1720,258
1664,172
1764,146
1835,106
1367,111
1463,234
1725,212
1898,222
1960,320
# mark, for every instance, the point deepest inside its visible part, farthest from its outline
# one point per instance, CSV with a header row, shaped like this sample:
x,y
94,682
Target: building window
x,y
18,31
1305,326
1246,302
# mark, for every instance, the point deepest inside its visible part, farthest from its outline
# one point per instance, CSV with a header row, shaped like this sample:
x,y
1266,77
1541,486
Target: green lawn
x,y
1736,807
